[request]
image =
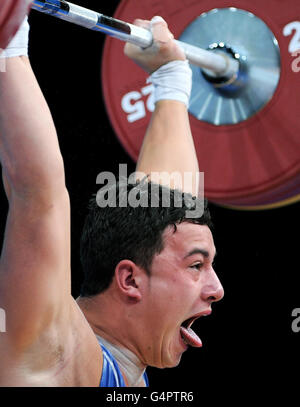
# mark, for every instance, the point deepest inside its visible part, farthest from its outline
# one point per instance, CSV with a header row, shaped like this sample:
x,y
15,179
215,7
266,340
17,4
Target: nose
x,y
213,290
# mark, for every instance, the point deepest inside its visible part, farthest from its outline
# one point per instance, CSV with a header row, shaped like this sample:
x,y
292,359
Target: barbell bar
x,y
219,64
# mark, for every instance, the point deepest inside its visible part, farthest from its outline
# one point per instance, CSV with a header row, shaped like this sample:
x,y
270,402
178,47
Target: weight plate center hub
x,y
242,36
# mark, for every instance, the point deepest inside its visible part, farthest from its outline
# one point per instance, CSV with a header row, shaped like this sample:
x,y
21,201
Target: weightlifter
x,y
148,270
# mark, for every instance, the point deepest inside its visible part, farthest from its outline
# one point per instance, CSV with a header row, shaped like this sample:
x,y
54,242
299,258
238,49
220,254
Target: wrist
x,y
18,46
172,81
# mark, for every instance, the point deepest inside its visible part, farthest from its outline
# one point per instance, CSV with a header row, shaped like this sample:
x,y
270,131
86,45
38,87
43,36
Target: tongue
x,y
190,337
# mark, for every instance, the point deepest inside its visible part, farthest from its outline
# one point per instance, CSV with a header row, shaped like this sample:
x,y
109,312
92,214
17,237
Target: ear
x,y
128,279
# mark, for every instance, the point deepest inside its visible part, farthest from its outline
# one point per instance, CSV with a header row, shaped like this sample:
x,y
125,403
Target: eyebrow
x,y
197,250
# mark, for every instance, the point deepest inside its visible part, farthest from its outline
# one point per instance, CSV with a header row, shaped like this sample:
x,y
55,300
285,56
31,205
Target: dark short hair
x,y
113,233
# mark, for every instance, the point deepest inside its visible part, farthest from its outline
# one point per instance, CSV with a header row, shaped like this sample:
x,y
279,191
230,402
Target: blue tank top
x,y
111,374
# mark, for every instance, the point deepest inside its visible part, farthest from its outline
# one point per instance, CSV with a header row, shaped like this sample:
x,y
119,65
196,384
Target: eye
x,y
197,266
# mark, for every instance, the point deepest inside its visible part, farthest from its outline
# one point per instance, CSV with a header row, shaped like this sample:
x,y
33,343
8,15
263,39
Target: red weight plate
x,y
12,13
245,162
274,205
290,191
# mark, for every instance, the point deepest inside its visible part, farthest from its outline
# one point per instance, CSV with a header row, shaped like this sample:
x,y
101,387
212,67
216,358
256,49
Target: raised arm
x,y
35,259
168,145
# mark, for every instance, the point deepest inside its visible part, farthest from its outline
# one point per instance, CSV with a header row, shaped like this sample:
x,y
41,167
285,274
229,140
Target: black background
x,y
248,339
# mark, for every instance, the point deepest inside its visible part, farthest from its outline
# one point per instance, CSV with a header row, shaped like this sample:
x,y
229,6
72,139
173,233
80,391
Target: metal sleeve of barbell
x,y
124,31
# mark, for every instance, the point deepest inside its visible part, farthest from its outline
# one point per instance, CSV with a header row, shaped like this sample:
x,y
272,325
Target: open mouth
x,y
188,335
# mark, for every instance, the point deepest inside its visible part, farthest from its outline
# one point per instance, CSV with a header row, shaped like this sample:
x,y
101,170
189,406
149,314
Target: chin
x,y
172,362
171,357
167,364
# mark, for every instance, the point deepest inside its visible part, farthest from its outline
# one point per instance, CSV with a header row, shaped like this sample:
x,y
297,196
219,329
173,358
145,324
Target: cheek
x,y
168,288
175,297
167,298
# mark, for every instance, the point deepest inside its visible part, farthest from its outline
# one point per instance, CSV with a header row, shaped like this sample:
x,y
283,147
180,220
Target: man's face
x,y
182,285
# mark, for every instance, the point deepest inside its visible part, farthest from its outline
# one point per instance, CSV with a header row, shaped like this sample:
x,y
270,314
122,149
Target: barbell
x,y
243,107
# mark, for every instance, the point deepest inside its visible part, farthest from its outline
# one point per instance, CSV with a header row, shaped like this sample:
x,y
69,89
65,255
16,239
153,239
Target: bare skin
x,y
168,144
44,324
50,338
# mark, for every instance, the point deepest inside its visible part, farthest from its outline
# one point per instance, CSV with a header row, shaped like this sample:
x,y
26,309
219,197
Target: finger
x,y
160,30
142,23
129,49
158,20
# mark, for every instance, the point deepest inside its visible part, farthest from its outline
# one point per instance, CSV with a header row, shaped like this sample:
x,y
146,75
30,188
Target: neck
x,y
109,330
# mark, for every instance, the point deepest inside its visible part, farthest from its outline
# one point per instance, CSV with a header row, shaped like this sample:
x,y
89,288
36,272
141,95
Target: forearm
x,y
168,148
29,149
168,145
